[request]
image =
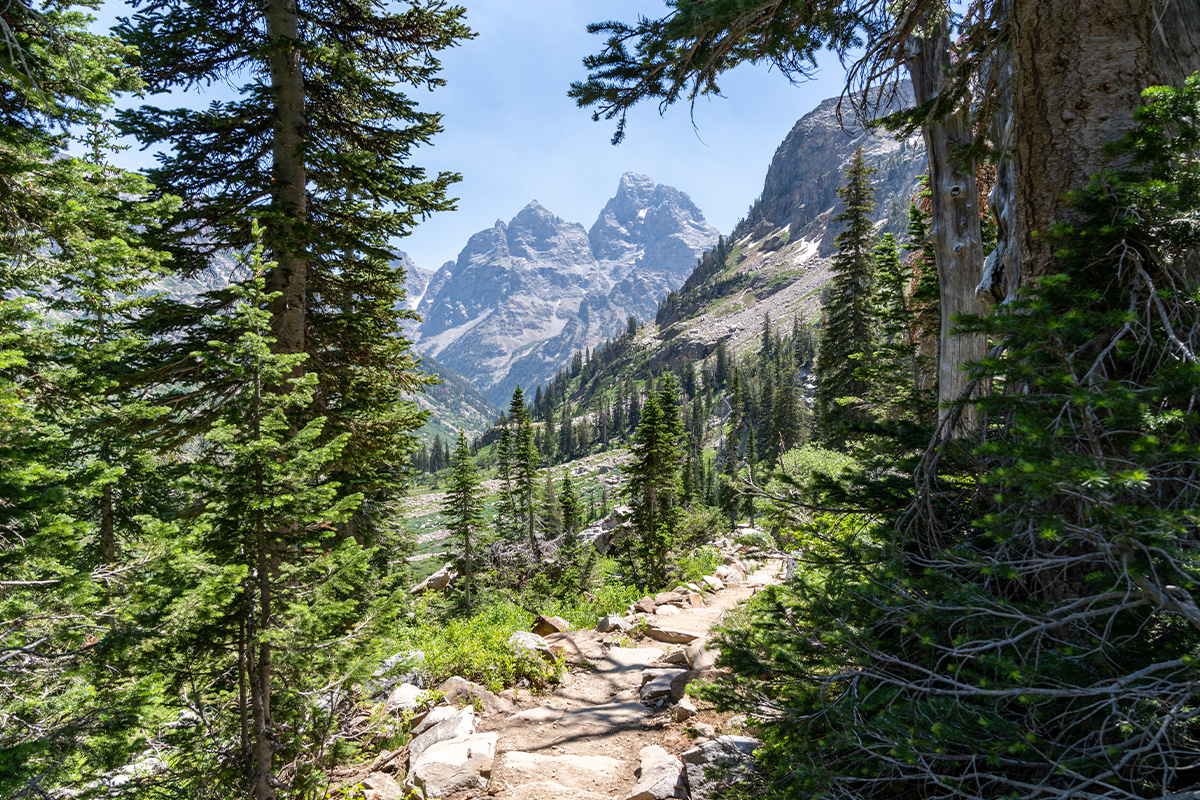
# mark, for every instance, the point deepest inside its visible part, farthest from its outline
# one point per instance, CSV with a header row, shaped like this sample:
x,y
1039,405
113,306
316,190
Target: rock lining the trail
x,y
610,731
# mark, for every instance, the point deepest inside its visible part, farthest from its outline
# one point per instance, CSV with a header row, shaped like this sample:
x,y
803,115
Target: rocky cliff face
x,y
522,296
800,190
780,256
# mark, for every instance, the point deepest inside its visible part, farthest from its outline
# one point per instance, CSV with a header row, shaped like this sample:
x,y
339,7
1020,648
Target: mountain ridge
x,y
522,296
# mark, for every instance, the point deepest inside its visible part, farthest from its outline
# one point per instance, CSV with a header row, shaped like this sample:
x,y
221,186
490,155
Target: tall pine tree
x,y
846,337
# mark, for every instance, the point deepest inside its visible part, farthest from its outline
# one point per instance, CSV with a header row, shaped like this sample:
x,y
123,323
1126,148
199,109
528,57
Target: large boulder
x,y
714,766
436,582
404,699
610,530
612,623
381,786
531,644
462,692
455,726
455,765
659,777
576,647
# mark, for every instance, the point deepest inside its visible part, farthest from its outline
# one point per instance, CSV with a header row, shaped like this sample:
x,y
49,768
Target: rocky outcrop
x,y
522,296
800,190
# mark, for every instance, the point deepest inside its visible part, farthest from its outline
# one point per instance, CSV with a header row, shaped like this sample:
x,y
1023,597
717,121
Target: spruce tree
x,y
655,484
316,143
894,374
463,509
290,588
524,473
847,337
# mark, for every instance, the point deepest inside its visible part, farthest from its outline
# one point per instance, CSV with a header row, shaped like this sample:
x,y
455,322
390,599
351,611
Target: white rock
x,y
667,611
713,583
454,765
404,698
684,710
437,581
532,643
438,714
660,776
713,766
612,623
455,726
381,786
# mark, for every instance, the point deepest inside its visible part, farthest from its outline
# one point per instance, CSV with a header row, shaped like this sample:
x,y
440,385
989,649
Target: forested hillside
x,y
930,410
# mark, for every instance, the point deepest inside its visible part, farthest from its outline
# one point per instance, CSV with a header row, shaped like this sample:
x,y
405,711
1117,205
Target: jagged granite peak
x,y
523,295
651,224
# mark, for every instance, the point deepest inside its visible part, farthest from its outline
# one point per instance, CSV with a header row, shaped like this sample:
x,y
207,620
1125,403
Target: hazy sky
x,y
515,136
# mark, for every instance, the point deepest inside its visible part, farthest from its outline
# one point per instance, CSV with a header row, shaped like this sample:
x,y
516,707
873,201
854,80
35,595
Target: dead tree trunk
x,y
956,233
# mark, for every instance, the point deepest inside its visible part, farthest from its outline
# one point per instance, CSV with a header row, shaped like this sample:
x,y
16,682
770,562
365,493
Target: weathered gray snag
x,y
956,233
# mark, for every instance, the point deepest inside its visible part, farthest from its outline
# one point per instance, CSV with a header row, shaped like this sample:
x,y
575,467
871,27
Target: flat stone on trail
x,y
576,772
542,715
457,725
609,717
547,790
646,605
658,687
576,647
660,776
650,674
669,635
627,659
454,765
667,611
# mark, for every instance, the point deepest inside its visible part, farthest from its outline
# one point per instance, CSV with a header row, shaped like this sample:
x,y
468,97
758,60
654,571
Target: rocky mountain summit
x,y
800,190
523,296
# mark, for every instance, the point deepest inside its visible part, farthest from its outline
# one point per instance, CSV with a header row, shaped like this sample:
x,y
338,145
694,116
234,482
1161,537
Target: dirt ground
x,y
581,741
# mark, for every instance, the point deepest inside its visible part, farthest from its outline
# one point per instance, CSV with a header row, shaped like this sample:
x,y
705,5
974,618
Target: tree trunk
x,y
956,233
1079,67
289,200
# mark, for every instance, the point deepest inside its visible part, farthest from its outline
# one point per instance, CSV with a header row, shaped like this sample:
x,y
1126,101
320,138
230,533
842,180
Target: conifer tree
x,y
655,483
290,582
894,375
316,143
846,338
524,473
463,508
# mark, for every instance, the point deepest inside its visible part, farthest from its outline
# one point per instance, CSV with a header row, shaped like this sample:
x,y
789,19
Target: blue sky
x,y
515,136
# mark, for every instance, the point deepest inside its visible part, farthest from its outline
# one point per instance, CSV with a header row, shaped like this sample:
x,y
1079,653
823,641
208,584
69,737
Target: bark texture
x,y
289,198
1079,67
956,234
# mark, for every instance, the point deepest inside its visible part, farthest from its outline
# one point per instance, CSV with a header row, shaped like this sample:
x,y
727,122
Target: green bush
x,y
477,648
696,564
